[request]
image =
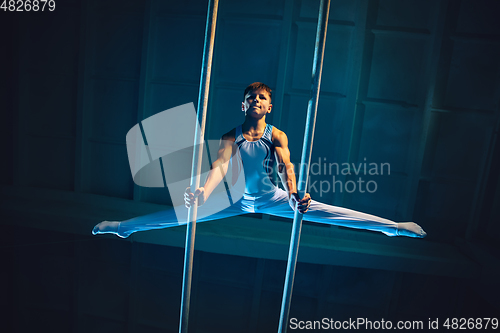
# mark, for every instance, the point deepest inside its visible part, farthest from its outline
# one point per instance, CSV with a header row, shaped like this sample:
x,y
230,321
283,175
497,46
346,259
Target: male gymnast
x,y
259,146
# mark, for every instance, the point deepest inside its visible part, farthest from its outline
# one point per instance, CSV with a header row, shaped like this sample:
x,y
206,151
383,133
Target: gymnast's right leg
x,y
212,210
123,229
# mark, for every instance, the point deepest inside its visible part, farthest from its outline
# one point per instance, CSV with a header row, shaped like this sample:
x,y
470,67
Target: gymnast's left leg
x,y
322,213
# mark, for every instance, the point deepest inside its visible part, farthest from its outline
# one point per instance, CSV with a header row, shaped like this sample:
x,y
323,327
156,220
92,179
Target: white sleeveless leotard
x,y
258,162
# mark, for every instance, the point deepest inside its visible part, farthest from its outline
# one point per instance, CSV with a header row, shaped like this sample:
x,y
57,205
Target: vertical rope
x,y
206,70
312,109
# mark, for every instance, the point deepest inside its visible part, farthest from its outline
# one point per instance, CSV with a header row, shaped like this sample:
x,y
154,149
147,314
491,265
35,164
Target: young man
x,y
259,146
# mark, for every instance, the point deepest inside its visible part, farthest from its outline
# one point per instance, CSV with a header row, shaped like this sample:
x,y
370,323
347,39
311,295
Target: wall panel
x,y
110,171
177,48
397,66
409,14
116,44
336,62
473,77
340,10
386,135
250,51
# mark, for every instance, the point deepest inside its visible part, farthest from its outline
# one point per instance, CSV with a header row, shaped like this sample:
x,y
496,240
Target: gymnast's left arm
x,y
287,173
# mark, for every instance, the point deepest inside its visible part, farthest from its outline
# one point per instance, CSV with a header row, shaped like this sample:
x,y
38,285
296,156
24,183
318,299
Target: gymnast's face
x,y
257,103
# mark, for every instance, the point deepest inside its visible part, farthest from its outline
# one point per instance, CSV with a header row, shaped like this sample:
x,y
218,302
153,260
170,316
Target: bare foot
x,y
106,227
410,229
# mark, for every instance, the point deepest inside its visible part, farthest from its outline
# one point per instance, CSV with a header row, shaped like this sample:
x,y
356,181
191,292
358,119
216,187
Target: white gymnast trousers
x,y
259,197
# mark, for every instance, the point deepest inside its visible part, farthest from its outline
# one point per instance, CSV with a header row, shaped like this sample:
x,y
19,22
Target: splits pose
x,y
259,146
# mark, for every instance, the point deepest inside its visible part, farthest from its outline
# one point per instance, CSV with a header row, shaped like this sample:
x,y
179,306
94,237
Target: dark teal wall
x,y
412,83
409,83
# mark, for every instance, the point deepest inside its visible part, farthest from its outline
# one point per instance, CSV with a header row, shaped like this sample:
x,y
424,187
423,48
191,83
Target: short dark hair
x,y
257,86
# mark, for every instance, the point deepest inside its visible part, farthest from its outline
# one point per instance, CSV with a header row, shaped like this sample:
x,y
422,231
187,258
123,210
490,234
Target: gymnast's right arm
x,y
217,172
